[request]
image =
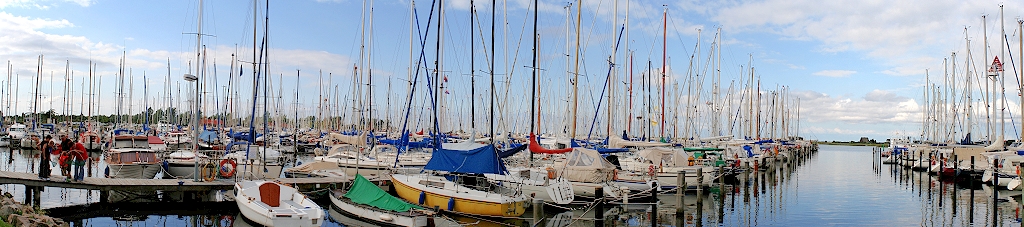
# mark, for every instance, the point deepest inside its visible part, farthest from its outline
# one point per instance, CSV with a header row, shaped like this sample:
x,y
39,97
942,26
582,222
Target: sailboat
x,y
467,194
368,202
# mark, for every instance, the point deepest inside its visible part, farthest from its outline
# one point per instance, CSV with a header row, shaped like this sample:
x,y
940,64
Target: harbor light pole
x,y
195,127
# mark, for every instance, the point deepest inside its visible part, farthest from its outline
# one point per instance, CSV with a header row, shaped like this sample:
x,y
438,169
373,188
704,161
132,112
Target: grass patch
x,y
5,224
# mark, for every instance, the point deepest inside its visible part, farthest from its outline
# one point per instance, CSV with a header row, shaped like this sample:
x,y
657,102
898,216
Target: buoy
x,y
423,197
227,168
385,217
451,203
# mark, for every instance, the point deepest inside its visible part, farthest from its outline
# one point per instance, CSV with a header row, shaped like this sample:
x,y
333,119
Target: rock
x,y
35,220
20,220
8,201
8,210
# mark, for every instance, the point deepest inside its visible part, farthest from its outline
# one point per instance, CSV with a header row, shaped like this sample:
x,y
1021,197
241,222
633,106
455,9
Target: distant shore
x,y
854,144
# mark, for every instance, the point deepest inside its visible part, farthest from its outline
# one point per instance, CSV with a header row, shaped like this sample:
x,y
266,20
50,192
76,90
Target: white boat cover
x,y
359,140
586,165
668,156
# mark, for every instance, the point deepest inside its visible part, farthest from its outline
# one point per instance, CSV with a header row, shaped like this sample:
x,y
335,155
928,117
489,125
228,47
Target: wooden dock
x,y
33,184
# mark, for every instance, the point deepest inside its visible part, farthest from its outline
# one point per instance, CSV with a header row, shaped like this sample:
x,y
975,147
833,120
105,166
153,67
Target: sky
x,y
858,68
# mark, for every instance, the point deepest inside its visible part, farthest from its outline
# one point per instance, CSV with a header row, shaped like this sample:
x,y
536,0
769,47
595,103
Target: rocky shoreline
x,y
19,215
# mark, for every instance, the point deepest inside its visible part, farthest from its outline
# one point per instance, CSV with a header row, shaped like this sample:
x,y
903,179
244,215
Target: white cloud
x,y
41,4
878,107
835,73
905,36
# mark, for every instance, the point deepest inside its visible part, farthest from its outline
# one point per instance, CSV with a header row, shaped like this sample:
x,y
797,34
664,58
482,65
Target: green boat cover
x,y
365,192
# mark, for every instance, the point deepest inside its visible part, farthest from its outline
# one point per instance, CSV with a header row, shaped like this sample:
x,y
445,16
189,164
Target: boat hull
x,y
133,171
180,169
377,217
256,211
460,205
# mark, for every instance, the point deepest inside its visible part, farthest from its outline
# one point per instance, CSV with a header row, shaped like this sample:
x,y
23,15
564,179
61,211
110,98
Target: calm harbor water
x,y
840,185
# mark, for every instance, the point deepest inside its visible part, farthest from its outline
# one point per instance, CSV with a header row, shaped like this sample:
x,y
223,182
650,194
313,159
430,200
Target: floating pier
x,y
34,185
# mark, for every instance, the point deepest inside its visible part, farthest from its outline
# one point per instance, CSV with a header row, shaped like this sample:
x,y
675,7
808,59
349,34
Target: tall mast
x,y
629,71
493,92
1020,76
576,71
472,72
969,89
533,83
988,104
1002,86
369,77
664,63
611,72
437,65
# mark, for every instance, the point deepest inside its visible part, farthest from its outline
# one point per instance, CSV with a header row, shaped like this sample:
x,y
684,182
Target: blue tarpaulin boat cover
x,y
517,148
469,158
208,136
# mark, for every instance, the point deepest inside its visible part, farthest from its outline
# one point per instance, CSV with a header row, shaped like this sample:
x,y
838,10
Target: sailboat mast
x,y
576,72
629,71
494,7
437,69
533,83
611,72
664,64
1002,86
472,72
988,105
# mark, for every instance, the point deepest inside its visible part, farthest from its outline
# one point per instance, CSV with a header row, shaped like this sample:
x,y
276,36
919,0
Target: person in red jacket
x,y
81,156
65,157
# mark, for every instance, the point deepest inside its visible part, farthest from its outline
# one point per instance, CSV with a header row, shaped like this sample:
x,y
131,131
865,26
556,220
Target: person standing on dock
x,y
45,147
81,155
65,157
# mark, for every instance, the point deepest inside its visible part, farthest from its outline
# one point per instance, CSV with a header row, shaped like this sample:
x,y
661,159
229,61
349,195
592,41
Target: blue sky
x,y
857,66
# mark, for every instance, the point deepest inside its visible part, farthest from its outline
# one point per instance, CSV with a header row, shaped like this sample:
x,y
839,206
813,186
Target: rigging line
x,y
678,36
422,60
611,67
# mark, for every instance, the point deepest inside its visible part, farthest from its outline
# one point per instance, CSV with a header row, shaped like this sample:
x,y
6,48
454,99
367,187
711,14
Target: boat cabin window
x,y
129,157
17,129
129,143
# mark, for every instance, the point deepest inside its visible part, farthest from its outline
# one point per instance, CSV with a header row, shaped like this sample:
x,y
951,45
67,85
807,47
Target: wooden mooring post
x,y
680,192
599,206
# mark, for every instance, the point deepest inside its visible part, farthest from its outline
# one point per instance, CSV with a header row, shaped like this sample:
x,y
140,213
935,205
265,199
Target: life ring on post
x,y
227,168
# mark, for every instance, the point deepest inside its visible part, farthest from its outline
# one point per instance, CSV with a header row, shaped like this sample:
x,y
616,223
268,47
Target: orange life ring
x,y
551,172
615,174
227,173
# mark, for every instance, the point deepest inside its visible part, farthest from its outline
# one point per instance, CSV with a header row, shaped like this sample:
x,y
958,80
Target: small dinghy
x,y
273,204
